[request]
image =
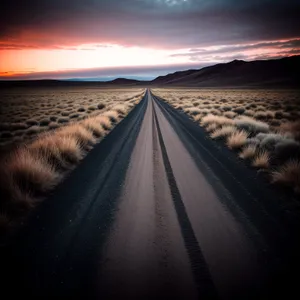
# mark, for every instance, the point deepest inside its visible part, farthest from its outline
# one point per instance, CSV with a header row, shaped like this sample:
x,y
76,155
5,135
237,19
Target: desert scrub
x,y
248,152
237,139
23,109
224,131
288,174
262,160
264,125
35,168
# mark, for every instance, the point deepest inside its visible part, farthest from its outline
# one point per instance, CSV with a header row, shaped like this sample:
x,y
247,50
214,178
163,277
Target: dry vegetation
x,y
45,134
25,113
263,126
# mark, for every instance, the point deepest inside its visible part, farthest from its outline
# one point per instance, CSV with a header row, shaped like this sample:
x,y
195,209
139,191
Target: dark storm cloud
x,y
156,23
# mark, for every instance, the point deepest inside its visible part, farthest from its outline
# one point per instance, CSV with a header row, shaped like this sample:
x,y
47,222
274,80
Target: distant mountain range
x,y
277,72
284,72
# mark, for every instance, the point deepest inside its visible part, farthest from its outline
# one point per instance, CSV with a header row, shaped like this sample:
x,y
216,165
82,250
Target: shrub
x,y
269,140
249,112
44,122
288,174
74,116
230,114
292,127
211,127
226,108
94,126
69,149
239,110
287,149
80,133
18,126
220,120
262,159
248,151
31,173
260,115
215,112
223,131
237,139
112,115
278,114
120,109
63,120
193,111
251,125
53,118
59,150
92,108
33,130
104,121
53,125
101,105
275,123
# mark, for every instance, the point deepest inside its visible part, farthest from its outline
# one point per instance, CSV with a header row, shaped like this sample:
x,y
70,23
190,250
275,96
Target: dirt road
x,y
157,210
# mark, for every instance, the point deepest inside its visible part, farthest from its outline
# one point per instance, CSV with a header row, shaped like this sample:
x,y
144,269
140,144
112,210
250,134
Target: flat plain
x,y
45,133
262,126
26,112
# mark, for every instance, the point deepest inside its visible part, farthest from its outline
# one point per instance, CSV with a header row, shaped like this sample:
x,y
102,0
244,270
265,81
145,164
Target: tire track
x,y
200,270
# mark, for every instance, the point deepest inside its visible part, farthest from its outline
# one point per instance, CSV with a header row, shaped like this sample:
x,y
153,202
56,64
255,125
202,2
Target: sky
x,y
105,39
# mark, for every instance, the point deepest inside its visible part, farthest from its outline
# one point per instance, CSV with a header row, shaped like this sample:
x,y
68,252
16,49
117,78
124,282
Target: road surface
x,y
157,210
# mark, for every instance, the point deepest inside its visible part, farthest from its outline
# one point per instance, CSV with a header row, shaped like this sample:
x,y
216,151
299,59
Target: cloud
x,y
103,73
158,24
243,51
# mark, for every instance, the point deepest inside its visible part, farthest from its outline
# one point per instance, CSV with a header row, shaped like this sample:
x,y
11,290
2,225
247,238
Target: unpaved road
x,y
157,211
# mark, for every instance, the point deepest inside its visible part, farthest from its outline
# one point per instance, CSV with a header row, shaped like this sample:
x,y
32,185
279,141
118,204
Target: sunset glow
x,y
94,36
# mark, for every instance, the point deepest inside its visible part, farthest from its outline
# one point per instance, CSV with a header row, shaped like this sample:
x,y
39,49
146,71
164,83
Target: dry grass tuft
x,y
265,123
262,160
31,173
213,119
69,149
112,115
288,174
80,133
94,126
121,109
248,152
230,114
251,125
292,127
223,131
211,127
237,139
104,121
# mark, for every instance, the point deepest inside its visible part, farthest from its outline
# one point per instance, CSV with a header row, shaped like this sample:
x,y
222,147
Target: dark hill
x,y
278,72
275,73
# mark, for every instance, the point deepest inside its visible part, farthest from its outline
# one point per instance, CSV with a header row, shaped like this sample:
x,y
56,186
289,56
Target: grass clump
x,y
237,139
248,152
262,159
288,174
223,131
251,125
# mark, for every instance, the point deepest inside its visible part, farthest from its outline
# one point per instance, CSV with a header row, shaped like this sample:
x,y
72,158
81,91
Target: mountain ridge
x,y
283,72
